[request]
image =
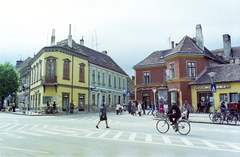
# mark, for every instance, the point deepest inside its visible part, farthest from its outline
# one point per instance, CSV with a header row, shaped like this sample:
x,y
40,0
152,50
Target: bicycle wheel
x,y
217,119
211,115
232,120
183,127
162,126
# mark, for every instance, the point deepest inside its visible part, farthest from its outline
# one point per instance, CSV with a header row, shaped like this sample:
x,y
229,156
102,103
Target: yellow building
x,y
59,73
227,81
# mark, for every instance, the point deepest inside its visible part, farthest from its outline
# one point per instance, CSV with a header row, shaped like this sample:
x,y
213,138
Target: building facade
x,y
169,72
227,81
59,73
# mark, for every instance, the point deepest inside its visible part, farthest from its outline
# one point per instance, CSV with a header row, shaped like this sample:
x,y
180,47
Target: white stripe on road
x,y
33,127
132,136
118,135
30,133
45,126
187,142
166,140
64,131
11,127
4,125
104,134
148,138
48,132
233,146
209,144
90,134
22,127
26,150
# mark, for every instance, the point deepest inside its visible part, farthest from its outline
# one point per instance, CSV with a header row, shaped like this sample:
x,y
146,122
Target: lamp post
x,y
154,91
212,74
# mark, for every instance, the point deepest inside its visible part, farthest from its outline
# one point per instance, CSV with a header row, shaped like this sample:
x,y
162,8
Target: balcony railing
x,y
49,80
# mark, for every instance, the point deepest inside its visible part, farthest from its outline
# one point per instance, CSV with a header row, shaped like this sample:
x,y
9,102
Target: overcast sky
x,y
129,30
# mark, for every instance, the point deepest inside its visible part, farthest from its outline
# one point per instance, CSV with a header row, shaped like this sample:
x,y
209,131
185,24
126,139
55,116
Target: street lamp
x,y
212,74
154,91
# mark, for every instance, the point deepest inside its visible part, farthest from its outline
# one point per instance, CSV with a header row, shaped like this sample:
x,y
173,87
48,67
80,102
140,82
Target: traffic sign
x,y
128,93
213,87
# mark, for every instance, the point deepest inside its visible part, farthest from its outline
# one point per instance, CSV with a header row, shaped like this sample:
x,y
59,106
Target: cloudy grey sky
x,y
129,30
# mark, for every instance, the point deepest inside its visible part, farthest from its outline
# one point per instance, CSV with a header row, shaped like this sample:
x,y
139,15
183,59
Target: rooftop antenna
x,y
169,41
47,36
74,35
96,43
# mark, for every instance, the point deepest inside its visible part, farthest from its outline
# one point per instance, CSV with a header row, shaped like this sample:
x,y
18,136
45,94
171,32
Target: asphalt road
x,y
76,135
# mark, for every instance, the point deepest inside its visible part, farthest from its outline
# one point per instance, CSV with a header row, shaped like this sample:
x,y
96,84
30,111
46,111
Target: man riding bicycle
x,y
174,113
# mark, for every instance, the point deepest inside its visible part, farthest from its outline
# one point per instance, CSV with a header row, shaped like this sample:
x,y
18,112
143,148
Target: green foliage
x,y
9,79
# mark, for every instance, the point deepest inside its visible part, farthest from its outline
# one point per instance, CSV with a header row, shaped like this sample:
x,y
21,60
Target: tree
x,y
9,81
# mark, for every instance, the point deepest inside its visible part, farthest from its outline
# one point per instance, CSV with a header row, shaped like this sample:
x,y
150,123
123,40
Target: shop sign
x,y
208,87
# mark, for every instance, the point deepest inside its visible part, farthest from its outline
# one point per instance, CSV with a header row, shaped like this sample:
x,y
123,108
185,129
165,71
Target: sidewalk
x,y
38,113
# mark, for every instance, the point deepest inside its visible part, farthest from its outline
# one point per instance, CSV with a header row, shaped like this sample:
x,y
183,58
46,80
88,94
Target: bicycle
x,y
182,126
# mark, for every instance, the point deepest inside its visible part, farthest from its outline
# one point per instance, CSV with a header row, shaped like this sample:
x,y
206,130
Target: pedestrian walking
x,y
186,108
71,107
139,109
238,109
202,107
152,108
143,107
134,108
208,105
13,106
198,107
103,115
129,106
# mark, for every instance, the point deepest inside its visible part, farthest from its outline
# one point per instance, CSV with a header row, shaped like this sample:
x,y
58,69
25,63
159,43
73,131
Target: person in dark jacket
x,y
103,116
174,113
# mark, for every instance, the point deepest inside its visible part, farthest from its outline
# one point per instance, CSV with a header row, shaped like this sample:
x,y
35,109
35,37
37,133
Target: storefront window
x,y
223,97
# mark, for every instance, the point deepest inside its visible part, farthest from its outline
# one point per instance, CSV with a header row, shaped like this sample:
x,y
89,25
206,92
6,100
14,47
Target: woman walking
x,y
103,116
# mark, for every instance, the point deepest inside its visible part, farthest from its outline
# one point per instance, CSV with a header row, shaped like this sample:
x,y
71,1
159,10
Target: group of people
x,y
174,113
136,107
203,106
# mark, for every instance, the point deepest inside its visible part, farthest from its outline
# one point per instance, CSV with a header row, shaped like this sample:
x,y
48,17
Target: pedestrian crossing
x,y
12,131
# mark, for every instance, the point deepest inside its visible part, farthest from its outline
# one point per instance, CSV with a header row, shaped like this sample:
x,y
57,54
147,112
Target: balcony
x,y
46,80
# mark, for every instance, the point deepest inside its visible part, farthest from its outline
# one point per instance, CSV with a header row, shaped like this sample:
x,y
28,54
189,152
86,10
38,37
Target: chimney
x,y
104,52
82,41
53,37
172,44
199,36
70,37
226,45
133,78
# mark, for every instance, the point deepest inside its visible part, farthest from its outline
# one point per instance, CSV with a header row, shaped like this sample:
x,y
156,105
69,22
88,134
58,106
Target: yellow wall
x,y
63,86
234,88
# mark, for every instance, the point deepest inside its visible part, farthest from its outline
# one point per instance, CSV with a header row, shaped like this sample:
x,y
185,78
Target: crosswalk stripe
x,y
187,142
90,134
30,133
33,127
64,131
11,127
233,146
45,126
132,136
118,135
209,144
48,132
148,138
104,134
166,140
22,127
5,125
